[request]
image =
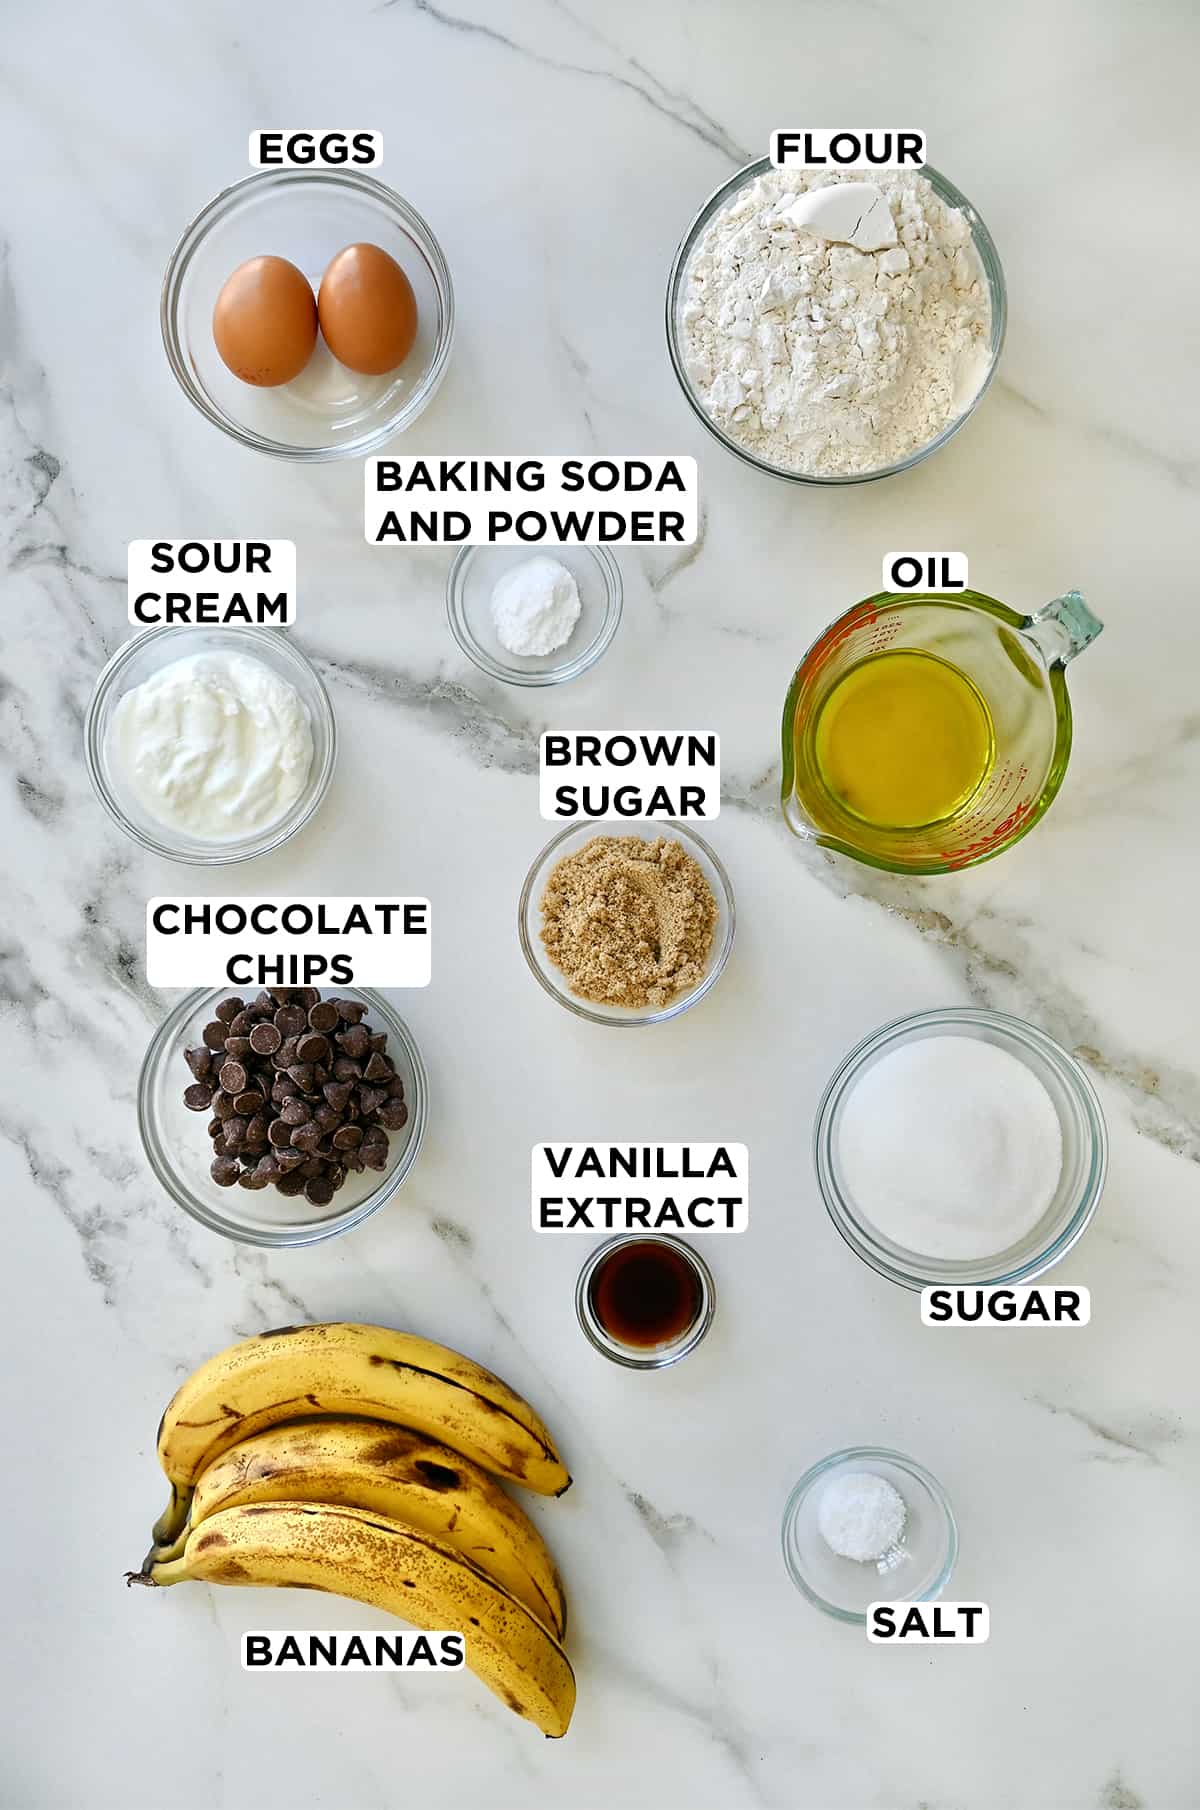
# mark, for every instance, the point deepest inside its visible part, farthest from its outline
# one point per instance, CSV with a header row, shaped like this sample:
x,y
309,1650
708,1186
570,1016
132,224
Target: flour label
x,y
204,582
848,148
640,1187
926,1624
925,572
510,501
672,774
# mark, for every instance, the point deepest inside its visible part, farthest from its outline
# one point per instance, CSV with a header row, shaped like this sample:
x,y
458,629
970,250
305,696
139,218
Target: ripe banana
x,y
344,1368
350,1552
390,1471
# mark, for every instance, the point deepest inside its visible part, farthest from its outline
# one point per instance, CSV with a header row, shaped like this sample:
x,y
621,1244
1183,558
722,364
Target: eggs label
x,y
518,502
288,942
848,148
634,773
324,149
925,572
212,581
640,1187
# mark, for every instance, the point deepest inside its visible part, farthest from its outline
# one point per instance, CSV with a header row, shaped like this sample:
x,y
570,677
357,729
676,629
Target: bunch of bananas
x,y
355,1459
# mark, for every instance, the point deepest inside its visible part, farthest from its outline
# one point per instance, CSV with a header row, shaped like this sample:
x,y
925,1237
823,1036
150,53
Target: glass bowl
x,y
915,1570
179,1152
306,216
468,605
1084,1140
566,842
676,286
655,1357
132,664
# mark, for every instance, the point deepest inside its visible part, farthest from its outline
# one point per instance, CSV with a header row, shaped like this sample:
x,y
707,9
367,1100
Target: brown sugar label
x,y
630,773
640,1187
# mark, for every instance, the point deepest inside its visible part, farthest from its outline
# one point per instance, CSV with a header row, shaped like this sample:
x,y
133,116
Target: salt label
x,y
1026,1306
919,1624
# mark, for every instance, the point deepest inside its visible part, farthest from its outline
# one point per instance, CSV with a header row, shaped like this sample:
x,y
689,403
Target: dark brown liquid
x,y
645,1294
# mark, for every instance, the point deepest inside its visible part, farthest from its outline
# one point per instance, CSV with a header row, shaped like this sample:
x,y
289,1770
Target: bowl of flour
x,y
835,328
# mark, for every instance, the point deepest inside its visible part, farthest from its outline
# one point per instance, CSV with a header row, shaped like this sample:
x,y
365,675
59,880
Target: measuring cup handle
x,y
1063,627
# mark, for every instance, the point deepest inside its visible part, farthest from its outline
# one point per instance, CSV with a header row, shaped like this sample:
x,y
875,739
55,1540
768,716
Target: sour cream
x,y
214,746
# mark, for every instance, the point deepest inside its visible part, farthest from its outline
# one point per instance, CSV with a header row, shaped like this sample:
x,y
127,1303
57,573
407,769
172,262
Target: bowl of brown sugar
x,y
624,928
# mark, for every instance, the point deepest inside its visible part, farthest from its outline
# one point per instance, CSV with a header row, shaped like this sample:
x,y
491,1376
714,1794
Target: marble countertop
x,y
559,150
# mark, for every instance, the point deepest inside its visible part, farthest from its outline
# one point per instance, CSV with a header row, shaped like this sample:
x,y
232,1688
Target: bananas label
x,y
288,942
640,1187
347,1651
636,773
212,581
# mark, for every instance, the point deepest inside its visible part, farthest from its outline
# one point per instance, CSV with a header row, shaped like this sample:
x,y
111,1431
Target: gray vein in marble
x,y
1141,1439
677,562
452,1234
665,1530
700,125
91,1225
1184,472
1116,1794
450,706
715,1719
268,1296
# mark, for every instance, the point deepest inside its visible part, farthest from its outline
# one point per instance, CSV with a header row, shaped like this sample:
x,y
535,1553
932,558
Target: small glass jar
x,y
653,1356
473,578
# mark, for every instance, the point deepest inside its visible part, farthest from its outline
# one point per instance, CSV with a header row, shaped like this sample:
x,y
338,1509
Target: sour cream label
x,y
212,582
631,773
640,1187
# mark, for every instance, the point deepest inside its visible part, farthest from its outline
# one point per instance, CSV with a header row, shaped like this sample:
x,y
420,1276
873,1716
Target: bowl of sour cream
x,y
210,745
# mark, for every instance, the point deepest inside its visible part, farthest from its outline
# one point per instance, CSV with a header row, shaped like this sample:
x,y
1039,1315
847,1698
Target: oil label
x,y
634,773
925,572
322,147
1025,1306
919,1624
847,148
346,1650
519,502
640,1187
288,942
206,582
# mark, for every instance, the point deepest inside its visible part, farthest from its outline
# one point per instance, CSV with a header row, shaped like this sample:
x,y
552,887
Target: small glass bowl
x,y
132,664
179,1150
566,842
468,606
652,1357
306,216
915,1570
676,295
1084,1138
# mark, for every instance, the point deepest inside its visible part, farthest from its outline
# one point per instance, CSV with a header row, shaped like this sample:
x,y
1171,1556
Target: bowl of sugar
x,y
962,1147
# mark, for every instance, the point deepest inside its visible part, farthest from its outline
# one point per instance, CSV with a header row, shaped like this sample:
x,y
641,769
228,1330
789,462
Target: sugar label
x,y
631,773
288,942
207,582
640,1187
1027,1305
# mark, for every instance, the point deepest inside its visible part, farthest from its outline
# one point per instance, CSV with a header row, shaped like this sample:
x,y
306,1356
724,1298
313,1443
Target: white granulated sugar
x,y
823,358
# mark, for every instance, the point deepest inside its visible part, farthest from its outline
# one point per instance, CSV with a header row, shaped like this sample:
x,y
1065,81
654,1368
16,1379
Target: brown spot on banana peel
x,y
493,1407
209,1540
438,1476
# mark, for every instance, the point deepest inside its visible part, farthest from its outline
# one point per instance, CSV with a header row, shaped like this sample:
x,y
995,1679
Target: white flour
x,y
825,359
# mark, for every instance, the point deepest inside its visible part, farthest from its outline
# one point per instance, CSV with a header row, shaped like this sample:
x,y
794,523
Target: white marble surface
x,y
559,150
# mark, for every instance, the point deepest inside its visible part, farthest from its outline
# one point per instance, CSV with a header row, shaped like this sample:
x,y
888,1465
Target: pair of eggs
x,y
266,318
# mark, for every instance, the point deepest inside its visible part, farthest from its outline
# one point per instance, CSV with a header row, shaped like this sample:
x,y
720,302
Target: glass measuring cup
x,y
1015,663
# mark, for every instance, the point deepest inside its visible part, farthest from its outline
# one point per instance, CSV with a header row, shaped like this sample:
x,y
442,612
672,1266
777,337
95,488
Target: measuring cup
x,y
1016,663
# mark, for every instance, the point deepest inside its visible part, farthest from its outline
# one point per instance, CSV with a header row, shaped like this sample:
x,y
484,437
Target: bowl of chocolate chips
x,y
283,1117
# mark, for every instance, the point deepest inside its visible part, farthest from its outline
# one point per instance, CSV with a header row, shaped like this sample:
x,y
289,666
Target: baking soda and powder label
x,y
640,1187
630,773
511,501
212,582
288,942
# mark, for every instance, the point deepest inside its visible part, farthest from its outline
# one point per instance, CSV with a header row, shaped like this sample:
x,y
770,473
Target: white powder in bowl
x,y
860,1516
951,1147
535,607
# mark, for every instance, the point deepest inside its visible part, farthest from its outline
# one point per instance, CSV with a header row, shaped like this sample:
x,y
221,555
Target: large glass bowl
x,y
676,294
1084,1153
179,1152
306,216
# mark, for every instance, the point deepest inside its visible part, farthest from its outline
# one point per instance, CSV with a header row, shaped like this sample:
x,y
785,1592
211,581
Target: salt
x,y
951,1147
860,1516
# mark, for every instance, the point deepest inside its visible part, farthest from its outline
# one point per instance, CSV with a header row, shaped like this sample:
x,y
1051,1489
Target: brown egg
x,y
265,322
368,310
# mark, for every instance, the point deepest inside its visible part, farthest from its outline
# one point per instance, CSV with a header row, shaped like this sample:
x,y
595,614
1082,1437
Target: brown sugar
x,y
628,921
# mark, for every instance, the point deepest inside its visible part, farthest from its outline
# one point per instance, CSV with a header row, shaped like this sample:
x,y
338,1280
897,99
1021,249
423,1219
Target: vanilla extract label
x,y
347,1650
1027,1305
640,1187
512,501
288,942
247,583
672,774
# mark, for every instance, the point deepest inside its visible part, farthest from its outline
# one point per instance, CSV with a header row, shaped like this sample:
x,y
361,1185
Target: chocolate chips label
x,y
349,1650
517,502
847,148
322,147
925,572
924,1624
640,1187
1024,1306
288,942
633,773
212,582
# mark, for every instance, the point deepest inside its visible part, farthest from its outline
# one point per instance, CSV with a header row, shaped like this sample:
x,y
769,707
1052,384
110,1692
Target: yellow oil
x,y
903,740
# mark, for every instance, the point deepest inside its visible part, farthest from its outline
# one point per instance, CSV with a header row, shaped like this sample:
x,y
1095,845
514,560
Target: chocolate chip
x,y
198,1097
345,1070
224,1171
290,1184
233,1077
295,1112
265,1039
237,1047
378,1068
248,1103
370,1099
228,1009
352,1010
374,1156
222,1105
214,1035
347,1138
290,1021
303,1137
323,1016
320,1190
199,1060
242,1025
393,1114
312,1048
250,1178
289,1159
279,1133
396,1088
301,1073
285,1055
235,1131
337,1094
307,997
259,1129
355,1042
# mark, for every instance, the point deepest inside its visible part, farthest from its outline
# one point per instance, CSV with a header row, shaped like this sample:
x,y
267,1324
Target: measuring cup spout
x,y
1063,628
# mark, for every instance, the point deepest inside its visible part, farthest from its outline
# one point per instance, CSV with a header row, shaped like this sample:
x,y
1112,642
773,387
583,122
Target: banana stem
x,y
168,1571
171,1522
